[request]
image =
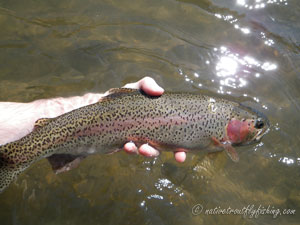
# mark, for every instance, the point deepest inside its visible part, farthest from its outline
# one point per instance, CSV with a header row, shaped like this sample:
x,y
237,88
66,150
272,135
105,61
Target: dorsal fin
x,y
117,92
114,91
41,123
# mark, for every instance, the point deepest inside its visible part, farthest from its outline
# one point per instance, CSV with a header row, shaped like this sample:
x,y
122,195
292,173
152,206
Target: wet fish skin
x,y
170,122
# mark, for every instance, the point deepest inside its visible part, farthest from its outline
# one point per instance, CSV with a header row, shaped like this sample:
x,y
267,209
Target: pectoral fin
x,y
228,148
231,152
64,162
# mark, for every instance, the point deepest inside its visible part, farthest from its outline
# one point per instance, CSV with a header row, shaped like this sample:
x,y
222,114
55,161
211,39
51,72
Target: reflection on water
x,y
246,49
260,4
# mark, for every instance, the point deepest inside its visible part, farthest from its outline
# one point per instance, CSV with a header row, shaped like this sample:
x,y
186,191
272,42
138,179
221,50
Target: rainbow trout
x,y
171,122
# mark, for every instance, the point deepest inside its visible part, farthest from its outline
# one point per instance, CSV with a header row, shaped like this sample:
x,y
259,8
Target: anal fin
x,y
64,162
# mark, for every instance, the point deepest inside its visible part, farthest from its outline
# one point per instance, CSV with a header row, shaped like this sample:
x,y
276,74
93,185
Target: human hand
x,y
150,87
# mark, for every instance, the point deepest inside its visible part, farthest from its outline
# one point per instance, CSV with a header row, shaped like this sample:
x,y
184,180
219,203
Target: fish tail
x,y
8,170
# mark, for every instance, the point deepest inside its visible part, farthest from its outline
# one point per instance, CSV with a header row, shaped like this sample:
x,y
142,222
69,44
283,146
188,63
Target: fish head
x,y
247,126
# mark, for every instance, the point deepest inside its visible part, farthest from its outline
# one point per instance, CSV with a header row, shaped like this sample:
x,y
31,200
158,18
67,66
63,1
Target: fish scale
x,y
170,122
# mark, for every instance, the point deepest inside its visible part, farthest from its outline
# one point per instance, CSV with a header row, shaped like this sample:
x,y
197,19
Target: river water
x,y
247,49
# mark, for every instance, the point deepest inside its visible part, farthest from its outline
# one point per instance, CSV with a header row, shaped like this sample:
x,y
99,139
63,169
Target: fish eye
x,y
259,124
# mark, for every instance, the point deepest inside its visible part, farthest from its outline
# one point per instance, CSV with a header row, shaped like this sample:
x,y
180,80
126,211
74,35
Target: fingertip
x,y
180,156
130,148
150,87
153,91
147,150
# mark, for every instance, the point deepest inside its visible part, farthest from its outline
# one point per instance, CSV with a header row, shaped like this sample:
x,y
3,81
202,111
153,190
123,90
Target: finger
x,y
132,85
147,150
148,85
130,148
180,156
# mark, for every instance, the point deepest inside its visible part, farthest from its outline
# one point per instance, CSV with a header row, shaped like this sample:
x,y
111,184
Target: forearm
x,y
51,108
17,119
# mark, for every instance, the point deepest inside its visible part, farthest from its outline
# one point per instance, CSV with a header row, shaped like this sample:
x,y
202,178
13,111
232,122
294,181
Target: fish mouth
x,y
257,138
265,129
260,134
262,123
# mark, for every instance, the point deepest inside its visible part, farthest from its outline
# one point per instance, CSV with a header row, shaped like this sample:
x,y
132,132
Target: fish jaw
x,y
261,132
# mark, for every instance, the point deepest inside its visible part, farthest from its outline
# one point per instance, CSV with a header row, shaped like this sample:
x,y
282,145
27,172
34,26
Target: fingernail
x,y
158,89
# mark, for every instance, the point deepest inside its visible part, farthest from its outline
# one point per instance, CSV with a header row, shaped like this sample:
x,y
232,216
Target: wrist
x,y
57,106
